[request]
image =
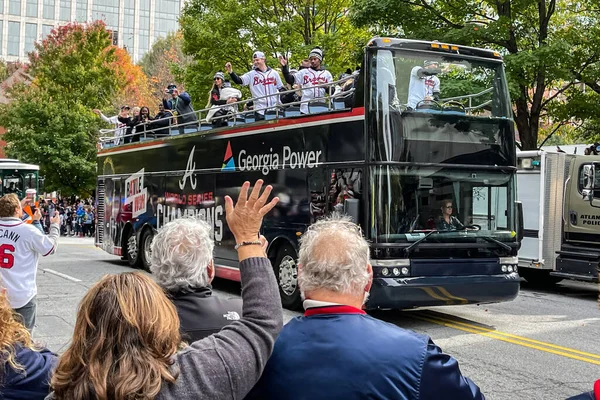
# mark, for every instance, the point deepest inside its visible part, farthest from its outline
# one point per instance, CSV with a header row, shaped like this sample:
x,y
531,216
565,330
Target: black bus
x,y
429,178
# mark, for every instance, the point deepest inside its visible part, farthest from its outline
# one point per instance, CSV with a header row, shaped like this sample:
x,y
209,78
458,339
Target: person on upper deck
x,y
120,127
336,350
309,78
424,84
219,98
180,105
446,221
262,81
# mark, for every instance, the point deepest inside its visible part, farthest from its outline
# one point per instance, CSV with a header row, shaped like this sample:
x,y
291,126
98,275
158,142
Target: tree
x,y
165,62
548,45
50,122
218,31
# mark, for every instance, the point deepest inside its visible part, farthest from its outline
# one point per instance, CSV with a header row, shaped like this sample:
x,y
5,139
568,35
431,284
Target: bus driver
x,y
447,222
424,84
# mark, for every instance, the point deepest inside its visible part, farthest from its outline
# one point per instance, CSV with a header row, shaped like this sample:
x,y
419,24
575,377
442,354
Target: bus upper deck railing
x,y
234,117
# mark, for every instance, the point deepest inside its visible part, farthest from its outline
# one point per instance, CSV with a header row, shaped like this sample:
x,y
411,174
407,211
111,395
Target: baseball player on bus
x,y
262,81
308,78
21,245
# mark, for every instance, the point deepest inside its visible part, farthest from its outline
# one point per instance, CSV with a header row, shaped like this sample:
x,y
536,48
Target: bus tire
x,y
286,274
132,250
145,250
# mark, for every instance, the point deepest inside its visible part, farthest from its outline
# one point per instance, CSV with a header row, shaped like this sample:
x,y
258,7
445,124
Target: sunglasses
x,y
448,207
217,79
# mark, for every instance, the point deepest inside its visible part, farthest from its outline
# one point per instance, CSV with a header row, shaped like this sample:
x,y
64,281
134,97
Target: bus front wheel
x,y
286,273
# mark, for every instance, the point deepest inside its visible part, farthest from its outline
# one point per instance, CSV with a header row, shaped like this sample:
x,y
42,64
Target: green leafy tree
x,y
218,31
549,46
50,122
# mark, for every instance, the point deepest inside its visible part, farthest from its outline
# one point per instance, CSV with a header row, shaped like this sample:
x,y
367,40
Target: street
x,y
543,345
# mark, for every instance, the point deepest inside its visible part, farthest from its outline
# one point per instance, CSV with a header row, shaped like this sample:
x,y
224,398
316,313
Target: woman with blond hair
x,y
126,344
24,368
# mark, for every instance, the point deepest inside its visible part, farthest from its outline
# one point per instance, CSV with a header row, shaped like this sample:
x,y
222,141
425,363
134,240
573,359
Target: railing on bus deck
x,y
333,102
469,98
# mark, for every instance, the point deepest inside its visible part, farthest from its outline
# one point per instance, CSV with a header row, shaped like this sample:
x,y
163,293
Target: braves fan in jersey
x,y
20,248
308,78
424,84
262,80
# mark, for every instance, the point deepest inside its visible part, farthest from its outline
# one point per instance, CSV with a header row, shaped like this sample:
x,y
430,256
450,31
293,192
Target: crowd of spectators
x,y
136,338
301,87
77,216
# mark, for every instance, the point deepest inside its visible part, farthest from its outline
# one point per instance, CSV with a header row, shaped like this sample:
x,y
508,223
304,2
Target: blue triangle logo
x,y
230,166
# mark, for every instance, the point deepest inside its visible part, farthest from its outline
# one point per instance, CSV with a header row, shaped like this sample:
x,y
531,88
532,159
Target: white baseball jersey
x,y
262,84
420,88
20,248
307,78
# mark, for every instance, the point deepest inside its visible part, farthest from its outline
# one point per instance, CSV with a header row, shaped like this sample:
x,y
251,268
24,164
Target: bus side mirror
x,y
352,209
520,222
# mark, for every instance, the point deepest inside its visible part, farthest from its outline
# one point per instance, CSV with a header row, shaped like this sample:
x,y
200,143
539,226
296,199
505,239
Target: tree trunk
x,y
527,133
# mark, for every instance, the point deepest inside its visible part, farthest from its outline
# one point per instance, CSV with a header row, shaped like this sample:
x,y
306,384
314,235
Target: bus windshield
x,y
442,108
409,202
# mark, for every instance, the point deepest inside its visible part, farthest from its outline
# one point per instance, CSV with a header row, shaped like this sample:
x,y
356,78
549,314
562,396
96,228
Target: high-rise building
x,y
135,24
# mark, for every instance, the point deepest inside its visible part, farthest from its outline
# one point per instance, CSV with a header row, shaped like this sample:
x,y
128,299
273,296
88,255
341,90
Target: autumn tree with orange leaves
x,y
50,122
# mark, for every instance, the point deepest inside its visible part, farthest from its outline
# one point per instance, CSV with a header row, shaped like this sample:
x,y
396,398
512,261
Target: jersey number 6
x,y
7,260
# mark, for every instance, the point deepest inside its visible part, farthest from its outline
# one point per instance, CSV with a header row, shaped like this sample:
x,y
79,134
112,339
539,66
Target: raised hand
x,y
282,61
244,220
228,68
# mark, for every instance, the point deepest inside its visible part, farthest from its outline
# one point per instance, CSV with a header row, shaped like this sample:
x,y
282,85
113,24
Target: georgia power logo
x,y
228,163
266,162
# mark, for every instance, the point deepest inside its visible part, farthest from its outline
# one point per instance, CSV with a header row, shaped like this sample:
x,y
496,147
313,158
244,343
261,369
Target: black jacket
x,y
201,314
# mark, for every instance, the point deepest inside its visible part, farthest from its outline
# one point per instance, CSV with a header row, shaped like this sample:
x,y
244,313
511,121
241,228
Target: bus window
x,y
344,184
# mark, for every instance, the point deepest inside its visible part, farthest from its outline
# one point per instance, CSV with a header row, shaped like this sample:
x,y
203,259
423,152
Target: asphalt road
x,y
544,345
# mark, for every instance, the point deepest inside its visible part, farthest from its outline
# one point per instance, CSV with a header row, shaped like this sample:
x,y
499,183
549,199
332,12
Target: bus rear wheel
x,y
146,249
133,251
286,273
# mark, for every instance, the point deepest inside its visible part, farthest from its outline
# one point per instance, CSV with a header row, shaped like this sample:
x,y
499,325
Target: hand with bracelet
x,y
244,220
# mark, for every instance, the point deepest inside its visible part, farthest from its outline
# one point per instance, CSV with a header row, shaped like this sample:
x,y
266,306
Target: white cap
x,y
258,54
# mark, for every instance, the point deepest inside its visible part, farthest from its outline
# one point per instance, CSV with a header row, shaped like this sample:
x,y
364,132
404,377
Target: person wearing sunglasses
x,y
448,222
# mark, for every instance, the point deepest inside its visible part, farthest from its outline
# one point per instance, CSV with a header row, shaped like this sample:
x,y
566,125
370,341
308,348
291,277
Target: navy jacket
x,y
594,395
34,383
339,352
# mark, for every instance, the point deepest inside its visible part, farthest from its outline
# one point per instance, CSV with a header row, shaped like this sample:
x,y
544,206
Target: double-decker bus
x,y
397,161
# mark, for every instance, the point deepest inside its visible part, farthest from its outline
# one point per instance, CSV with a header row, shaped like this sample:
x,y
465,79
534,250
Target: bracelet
x,y
237,246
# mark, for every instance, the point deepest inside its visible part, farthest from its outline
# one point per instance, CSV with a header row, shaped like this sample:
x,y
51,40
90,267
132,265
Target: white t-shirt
x,y
20,248
421,87
307,78
262,84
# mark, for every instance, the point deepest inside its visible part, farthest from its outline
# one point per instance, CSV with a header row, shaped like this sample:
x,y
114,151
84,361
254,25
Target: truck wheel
x,y
145,249
286,273
133,251
538,278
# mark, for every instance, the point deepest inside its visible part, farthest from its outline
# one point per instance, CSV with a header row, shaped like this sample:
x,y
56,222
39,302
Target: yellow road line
x,y
514,339
447,294
517,337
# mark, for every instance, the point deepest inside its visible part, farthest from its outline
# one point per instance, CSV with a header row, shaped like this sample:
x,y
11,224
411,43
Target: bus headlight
x,y
405,271
504,268
385,271
509,268
396,272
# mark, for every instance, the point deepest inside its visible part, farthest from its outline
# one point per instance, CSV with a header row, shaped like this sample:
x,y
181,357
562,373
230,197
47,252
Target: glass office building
x,y
136,24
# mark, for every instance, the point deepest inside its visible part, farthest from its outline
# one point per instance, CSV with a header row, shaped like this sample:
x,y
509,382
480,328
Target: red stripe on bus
x,y
358,111
233,274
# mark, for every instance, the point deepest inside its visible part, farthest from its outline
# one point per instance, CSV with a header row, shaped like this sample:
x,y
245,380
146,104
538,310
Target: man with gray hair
x,y
337,351
182,263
